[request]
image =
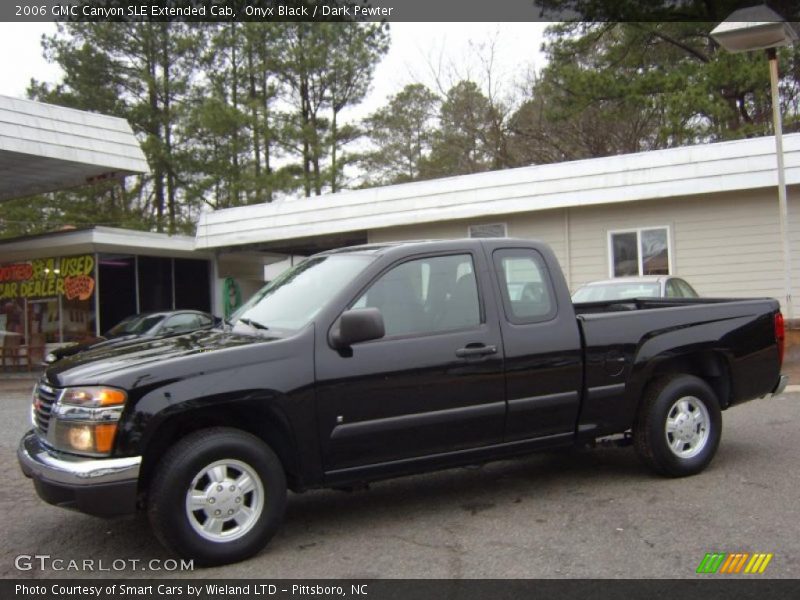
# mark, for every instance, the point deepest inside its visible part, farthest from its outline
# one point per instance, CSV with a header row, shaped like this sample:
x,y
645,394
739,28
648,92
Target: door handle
x,y
475,350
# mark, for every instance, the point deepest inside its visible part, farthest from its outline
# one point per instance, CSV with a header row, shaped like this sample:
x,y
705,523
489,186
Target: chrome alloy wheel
x,y
687,427
225,500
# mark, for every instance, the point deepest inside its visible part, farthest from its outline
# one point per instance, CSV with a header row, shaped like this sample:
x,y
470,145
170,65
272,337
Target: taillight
x,y
780,335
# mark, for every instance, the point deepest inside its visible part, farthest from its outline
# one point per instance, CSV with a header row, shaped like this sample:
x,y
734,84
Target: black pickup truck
x,y
383,360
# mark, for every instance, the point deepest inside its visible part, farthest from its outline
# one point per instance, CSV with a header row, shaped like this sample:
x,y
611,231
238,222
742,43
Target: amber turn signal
x,y
92,397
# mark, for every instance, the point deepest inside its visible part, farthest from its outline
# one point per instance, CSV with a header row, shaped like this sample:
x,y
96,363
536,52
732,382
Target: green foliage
x,y
611,88
141,72
420,136
104,203
226,113
655,11
402,133
471,137
238,113
324,67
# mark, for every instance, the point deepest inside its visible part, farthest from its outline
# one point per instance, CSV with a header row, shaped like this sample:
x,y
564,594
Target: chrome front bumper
x,y
98,486
783,381
40,462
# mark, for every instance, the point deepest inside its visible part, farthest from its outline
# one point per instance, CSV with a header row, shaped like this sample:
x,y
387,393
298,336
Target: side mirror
x,y
357,325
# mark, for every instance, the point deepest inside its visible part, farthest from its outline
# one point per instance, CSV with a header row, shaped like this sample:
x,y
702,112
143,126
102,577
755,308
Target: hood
x,y
138,362
103,343
64,351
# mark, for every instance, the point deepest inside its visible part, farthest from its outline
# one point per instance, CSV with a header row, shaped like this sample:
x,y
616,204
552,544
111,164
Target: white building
x,y
708,213
71,285
44,148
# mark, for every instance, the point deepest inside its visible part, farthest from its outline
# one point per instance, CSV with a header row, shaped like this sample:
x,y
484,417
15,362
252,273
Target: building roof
x,y
691,170
44,148
99,239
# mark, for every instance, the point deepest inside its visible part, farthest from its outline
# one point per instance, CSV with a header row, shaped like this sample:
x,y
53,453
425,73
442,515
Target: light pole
x,y
761,28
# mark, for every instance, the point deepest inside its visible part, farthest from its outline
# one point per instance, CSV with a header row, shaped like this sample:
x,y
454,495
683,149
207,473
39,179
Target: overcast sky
x,y
417,51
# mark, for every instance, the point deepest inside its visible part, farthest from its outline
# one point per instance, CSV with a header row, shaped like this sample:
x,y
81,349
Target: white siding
x,y
547,226
426,231
725,245
719,202
649,176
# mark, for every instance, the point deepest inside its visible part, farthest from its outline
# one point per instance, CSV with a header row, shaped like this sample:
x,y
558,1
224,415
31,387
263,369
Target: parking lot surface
x,y
596,513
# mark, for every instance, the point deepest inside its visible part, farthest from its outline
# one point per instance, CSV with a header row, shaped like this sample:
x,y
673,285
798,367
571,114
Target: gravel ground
x,y
592,514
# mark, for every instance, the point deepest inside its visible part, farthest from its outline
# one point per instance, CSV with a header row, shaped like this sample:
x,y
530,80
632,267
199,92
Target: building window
x,y
47,301
644,251
155,283
192,284
488,230
116,289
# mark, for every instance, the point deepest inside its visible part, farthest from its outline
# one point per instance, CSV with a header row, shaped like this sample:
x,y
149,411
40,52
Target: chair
x,y
13,351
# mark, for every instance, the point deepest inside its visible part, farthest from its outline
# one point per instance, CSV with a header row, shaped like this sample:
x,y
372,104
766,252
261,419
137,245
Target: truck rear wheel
x,y
217,497
678,427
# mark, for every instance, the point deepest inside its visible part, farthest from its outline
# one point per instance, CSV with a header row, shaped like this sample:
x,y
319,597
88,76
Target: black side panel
x,y
411,395
444,460
625,350
542,344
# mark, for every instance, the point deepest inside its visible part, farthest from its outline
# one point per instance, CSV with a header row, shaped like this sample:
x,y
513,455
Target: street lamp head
x,y
754,28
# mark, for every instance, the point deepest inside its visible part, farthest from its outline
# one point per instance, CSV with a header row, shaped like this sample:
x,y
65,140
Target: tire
x,y
200,493
678,427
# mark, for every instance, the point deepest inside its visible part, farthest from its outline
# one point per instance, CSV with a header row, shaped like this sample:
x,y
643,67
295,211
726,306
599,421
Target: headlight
x,y
84,438
50,358
85,419
93,397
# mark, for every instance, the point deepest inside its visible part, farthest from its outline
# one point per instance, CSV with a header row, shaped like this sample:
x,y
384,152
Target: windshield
x,y
616,291
294,298
134,325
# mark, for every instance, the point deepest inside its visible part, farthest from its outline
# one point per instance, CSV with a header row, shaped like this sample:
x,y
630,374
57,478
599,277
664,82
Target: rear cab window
x,y
525,286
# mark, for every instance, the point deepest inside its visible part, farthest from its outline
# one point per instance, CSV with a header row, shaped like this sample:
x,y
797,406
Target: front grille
x,y
43,401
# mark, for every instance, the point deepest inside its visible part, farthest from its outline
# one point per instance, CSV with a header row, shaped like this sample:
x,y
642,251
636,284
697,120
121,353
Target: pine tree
x,y
402,133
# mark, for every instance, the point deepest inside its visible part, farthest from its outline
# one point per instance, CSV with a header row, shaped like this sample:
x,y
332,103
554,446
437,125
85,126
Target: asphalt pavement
x,y
596,513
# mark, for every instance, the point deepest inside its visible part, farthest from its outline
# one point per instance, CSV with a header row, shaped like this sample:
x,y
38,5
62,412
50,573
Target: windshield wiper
x,y
253,324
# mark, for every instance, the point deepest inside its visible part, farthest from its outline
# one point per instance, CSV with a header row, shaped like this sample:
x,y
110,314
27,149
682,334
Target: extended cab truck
x,y
383,360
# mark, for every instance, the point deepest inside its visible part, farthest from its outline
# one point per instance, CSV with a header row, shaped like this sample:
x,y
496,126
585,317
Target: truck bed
x,y
629,304
628,343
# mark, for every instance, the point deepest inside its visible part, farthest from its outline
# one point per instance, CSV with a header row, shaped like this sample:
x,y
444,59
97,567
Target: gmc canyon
x,y
383,360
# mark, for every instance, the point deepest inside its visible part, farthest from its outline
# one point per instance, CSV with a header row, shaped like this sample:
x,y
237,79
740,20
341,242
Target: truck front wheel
x,y
217,497
678,426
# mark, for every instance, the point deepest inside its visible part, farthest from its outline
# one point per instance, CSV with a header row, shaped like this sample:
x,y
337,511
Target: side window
x,y
673,291
427,295
525,286
687,291
182,322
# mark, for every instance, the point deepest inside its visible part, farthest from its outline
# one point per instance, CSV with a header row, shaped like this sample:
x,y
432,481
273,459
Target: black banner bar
x,y
381,10
710,588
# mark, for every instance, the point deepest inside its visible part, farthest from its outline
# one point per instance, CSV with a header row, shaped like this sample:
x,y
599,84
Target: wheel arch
x,y
709,365
266,423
